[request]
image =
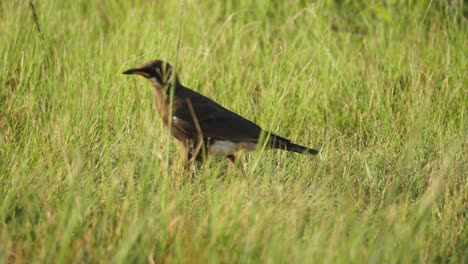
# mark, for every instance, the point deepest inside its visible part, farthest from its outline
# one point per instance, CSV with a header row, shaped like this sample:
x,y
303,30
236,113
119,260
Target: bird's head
x,y
157,71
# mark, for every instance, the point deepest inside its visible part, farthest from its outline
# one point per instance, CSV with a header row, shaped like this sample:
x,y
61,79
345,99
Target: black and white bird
x,y
202,124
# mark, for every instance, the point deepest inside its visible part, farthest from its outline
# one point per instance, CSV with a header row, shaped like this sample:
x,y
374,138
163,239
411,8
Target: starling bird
x,y
202,124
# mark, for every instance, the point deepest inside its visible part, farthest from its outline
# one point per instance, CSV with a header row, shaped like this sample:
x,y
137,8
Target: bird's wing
x,y
215,121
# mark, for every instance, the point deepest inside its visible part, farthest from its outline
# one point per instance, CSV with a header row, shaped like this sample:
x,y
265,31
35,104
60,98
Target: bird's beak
x,y
138,71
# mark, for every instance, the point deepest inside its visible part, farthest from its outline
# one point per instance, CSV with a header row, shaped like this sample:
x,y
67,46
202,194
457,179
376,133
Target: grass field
x,y
380,89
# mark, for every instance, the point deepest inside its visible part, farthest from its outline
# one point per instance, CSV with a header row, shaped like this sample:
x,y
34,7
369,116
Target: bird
x,y
203,126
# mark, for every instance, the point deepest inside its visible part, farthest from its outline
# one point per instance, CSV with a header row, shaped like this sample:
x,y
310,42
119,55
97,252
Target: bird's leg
x,y
189,156
190,163
231,161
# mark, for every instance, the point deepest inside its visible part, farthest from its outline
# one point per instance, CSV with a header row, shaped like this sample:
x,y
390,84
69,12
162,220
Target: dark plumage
x,y
198,121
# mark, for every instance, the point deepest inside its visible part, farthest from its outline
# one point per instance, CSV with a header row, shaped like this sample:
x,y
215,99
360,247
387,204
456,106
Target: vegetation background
x,y
379,86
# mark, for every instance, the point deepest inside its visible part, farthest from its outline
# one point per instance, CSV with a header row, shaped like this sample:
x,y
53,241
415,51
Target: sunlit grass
x,y
380,89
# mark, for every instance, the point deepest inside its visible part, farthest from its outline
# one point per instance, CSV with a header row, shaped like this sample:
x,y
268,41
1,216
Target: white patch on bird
x,y
176,120
226,147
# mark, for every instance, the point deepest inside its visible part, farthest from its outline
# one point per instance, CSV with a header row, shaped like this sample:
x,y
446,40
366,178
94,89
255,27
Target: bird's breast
x,y
162,105
160,99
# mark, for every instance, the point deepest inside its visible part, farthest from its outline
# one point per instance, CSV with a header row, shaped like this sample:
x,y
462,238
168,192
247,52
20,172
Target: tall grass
x,y
381,89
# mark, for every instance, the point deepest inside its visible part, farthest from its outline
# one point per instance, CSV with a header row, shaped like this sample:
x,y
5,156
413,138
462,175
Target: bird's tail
x,y
283,143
